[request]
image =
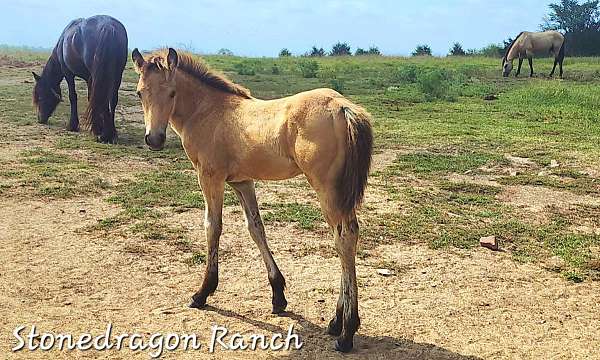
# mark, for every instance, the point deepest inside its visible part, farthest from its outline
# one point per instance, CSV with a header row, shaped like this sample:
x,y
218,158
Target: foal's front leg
x,y
247,196
212,190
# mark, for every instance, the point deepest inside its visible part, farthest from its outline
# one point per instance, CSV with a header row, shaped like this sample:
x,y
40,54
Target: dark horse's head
x,y
45,98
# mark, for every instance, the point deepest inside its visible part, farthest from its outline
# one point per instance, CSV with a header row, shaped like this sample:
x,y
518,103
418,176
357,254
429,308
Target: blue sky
x,y
263,27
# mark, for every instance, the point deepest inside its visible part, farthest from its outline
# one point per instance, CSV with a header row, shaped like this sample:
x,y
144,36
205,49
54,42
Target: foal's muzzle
x,y
155,142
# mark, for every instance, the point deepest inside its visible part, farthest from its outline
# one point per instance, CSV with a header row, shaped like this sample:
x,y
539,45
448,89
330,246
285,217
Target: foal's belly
x,y
272,168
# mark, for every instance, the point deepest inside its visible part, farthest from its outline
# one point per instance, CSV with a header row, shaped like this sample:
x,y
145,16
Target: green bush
x,y
275,70
245,68
407,73
437,84
337,85
308,68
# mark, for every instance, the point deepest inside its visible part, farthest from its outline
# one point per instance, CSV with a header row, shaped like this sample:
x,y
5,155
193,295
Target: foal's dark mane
x,y
511,46
199,70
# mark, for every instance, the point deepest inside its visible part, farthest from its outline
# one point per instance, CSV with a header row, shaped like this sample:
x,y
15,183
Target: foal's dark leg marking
x,y
247,196
74,119
530,66
335,325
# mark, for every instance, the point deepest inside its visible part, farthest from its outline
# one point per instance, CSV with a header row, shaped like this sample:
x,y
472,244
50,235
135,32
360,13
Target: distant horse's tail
x,y
102,82
352,179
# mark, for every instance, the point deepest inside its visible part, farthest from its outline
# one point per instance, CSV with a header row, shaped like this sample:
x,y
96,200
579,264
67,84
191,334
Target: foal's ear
x,y
36,76
138,60
172,59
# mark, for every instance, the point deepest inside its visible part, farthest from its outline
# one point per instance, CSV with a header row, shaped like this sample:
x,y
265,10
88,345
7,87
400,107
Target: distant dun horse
x,y
530,44
94,49
232,137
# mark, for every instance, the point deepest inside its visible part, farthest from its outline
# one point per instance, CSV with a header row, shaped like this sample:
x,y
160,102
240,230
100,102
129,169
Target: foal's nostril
x,y
162,137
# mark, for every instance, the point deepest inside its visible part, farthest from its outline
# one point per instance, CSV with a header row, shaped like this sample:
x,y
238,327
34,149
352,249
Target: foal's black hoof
x,y
343,345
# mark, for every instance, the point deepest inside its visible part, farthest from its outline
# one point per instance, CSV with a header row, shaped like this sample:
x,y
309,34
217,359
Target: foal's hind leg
x,y
346,321
247,196
212,189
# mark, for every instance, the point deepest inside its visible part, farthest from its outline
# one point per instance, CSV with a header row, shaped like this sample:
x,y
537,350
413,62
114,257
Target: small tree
x,y
422,50
374,50
361,52
457,50
225,52
341,49
316,52
285,53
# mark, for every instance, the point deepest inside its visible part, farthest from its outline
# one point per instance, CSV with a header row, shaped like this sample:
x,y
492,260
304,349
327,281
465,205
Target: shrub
x,y
285,53
275,70
422,50
492,50
245,68
337,85
341,49
316,52
407,73
457,50
437,84
308,68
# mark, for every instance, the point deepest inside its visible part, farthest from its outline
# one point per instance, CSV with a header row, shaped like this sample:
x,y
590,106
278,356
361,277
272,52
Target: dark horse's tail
x,y
103,79
352,179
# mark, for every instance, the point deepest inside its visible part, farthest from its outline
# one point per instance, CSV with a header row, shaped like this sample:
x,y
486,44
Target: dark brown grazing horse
x,y
94,49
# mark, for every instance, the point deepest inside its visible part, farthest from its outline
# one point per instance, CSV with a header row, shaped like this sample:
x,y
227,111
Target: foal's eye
x,y
139,94
172,94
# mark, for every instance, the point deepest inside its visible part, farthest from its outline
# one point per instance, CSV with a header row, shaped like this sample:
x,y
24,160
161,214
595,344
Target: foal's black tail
x,y
103,77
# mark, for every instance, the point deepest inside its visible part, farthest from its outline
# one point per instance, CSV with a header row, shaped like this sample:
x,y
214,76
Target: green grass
x,y
306,216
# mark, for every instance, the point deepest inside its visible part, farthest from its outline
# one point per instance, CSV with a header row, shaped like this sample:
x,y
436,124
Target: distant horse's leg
x,y
560,64
212,189
519,67
74,119
554,67
530,59
247,196
113,107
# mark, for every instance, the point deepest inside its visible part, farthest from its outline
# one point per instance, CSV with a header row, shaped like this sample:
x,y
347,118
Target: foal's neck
x,y
196,102
52,72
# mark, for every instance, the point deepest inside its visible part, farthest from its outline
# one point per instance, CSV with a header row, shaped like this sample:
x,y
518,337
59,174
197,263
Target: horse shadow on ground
x,y
318,345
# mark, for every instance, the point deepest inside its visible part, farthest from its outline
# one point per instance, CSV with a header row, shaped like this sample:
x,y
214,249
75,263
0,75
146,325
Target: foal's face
x,y
156,90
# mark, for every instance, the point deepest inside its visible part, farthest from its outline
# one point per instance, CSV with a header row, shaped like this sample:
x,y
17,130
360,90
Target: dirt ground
x,y
439,304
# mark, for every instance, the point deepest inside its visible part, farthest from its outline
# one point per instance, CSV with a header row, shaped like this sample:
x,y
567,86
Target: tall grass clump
x,y
308,68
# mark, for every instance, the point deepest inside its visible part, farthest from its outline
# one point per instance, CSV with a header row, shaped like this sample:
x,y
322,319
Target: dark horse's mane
x,y
511,46
199,70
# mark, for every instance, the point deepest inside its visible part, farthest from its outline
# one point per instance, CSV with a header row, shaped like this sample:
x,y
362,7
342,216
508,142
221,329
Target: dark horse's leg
x,y
247,196
109,131
74,119
519,68
530,59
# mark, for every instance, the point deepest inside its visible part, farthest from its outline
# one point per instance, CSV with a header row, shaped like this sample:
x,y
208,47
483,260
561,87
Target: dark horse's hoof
x,y
73,129
278,309
343,345
197,304
107,139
